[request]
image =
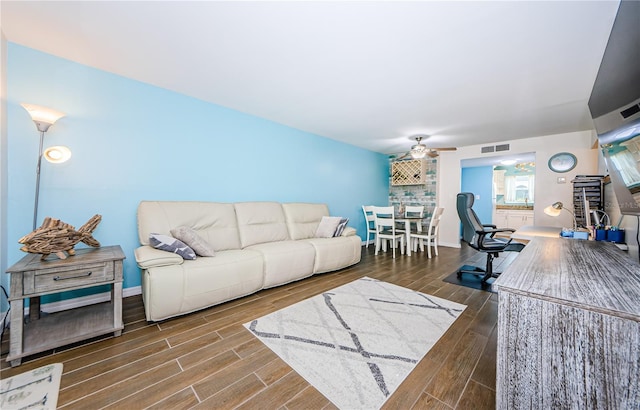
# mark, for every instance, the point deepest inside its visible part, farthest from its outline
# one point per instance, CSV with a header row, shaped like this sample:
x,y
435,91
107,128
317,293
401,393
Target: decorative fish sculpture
x,y
57,237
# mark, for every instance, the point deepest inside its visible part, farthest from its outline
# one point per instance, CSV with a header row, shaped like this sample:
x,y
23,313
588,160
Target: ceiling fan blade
x,y
444,149
432,154
408,154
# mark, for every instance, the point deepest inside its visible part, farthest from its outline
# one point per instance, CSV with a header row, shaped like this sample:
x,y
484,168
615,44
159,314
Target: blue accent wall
x,y
132,141
479,180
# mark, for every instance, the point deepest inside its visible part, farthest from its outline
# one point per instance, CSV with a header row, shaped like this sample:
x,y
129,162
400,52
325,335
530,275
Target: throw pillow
x,y
169,244
340,228
327,227
193,240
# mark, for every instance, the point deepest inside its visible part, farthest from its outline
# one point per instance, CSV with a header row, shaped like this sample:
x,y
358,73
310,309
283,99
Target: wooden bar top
x,y
592,275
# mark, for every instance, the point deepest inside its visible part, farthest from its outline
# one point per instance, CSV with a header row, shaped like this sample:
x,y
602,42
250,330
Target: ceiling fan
x,y
420,150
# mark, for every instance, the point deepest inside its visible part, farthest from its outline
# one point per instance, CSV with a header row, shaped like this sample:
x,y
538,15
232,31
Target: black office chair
x,y
482,238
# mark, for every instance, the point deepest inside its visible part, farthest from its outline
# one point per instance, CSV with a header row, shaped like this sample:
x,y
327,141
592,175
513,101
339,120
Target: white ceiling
x,y
369,74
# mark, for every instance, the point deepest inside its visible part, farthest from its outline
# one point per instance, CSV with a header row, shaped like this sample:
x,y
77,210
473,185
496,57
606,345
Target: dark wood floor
x,y
208,360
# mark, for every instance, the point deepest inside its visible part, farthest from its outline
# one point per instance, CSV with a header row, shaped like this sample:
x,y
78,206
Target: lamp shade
x,y
57,154
42,116
553,210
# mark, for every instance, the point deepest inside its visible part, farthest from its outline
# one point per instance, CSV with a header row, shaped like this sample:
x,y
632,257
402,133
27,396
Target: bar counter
x,y
569,327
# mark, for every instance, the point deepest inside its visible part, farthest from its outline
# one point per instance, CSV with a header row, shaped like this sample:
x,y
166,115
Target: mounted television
x,y
615,107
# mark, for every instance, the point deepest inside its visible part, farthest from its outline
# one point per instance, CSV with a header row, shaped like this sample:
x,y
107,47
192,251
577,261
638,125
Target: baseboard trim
x,y
447,244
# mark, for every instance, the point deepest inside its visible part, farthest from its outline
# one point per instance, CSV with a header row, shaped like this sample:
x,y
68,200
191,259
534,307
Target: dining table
x,y
408,220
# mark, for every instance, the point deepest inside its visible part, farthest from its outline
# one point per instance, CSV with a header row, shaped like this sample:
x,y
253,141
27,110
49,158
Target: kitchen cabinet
x,y
512,218
498,181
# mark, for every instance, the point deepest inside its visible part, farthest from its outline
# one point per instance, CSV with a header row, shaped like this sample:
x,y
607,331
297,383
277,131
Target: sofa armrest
x,y
348,231
149,257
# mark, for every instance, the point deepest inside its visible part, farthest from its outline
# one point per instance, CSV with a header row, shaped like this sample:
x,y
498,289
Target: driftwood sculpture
x,y
57,237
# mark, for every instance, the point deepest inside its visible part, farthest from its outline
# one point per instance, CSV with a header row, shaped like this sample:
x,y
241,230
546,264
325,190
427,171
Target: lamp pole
x,y
575,221
35,206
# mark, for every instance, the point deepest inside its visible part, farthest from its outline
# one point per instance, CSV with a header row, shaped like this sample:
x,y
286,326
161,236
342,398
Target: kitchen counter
x,y
515,207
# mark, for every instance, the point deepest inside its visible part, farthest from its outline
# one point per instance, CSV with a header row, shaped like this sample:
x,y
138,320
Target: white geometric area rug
x,y
356,343
34,390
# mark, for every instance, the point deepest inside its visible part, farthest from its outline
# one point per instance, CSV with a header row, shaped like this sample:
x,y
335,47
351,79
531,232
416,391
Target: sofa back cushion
x,y
215,222
303,219
260,222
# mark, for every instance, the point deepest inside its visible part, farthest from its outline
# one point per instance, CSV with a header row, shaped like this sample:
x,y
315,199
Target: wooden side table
x,y
32,278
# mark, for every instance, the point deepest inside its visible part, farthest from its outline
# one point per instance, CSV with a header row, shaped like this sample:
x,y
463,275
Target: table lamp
x,y
556,208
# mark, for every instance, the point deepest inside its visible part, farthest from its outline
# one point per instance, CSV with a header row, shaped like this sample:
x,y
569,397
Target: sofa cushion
x,y
260,222
178,289
195,241
285,261
335,253
170,244
215,222
303,218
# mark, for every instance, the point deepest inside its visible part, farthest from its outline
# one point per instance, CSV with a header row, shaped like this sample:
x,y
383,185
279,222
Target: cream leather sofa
x,y
257,245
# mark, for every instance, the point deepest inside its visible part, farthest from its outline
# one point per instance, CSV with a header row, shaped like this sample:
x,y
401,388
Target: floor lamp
x,y
44,118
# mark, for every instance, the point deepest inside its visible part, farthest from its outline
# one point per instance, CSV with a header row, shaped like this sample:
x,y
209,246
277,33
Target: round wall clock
x,y
562,162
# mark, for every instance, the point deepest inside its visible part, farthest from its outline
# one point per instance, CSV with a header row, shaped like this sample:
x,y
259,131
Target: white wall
x,y
547,189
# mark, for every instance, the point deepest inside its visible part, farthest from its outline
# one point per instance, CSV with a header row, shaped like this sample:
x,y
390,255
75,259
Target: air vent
x,y
485,150
634,109
503,147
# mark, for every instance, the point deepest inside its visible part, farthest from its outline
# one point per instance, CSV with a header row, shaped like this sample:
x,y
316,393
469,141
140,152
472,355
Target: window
x,y
519,188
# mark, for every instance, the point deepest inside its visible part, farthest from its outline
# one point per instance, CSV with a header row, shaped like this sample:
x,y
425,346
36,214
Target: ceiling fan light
x,y
418,151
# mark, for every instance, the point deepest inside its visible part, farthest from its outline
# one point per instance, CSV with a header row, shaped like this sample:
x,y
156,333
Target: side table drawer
x,y
45,281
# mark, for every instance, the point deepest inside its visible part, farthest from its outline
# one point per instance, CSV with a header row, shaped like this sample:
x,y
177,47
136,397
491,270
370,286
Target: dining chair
x,y
430,235
370,220
385,222
415,211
